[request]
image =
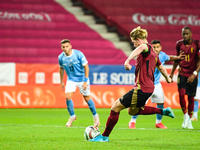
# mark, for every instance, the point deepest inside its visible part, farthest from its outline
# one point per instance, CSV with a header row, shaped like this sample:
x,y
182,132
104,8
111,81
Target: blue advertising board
x,y
111,75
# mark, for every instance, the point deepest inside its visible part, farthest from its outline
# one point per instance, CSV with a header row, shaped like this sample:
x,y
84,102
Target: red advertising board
x,y
32,96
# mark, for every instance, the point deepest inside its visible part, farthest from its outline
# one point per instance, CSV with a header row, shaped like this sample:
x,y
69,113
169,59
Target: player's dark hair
x,y
65,41
187,28
155,42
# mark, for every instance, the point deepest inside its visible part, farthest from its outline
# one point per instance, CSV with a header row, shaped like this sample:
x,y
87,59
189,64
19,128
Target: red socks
x,y
148,110
190,106
182,100
183,103
111,122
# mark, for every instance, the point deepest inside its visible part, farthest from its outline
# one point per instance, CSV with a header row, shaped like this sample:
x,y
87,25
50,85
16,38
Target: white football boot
x,y
70,121
185,121
190,124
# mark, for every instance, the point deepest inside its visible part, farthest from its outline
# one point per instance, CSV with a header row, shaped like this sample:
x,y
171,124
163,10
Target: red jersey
x,y
188,65
145,67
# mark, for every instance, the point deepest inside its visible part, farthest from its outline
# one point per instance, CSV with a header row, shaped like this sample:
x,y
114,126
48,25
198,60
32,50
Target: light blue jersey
x,y
73,65
163,57
198,84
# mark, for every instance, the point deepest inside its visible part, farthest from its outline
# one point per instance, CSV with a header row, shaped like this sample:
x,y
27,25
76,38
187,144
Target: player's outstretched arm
x,y
135,53
173,69
163,71
181,56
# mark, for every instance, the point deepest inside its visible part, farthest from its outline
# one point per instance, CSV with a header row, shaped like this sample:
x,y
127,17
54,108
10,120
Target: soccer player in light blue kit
x,y
158,94
76,66
196,101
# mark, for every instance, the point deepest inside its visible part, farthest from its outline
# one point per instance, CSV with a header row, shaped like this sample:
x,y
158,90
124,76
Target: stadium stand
x,y
163,19
31,32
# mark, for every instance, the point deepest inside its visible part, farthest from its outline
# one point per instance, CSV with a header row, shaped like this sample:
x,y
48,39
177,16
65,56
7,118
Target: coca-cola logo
x,y
173,19
24,16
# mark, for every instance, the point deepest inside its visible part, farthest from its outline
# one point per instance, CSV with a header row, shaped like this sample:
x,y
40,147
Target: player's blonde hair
x,y
138,33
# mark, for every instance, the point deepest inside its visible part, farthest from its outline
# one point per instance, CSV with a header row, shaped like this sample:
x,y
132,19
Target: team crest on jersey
x,y
192,49
156,60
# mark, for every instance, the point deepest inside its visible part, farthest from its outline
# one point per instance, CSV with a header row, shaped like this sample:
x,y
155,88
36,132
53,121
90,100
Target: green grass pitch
x,y
44,129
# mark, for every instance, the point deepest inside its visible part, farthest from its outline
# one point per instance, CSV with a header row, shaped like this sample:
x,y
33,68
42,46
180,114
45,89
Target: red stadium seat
x,y
31,32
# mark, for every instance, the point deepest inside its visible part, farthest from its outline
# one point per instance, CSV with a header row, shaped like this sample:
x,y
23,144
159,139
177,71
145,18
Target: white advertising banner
x,y
7,74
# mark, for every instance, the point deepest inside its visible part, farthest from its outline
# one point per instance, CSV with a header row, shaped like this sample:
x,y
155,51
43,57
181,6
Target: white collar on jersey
x,y
70,55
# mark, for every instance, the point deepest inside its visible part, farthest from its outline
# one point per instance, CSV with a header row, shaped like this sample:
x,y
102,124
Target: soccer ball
x,y
91,132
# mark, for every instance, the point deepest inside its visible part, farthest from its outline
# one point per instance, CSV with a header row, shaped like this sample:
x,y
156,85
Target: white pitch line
x,y
116,128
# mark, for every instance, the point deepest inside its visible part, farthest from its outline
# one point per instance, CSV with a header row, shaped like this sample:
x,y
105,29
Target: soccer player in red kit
x,y
135,99
188,70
